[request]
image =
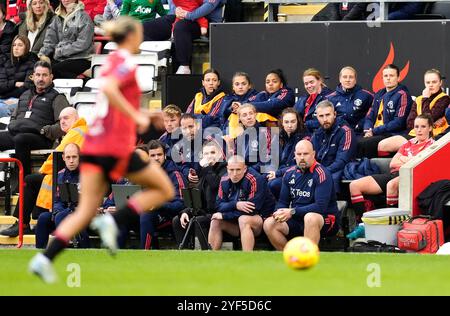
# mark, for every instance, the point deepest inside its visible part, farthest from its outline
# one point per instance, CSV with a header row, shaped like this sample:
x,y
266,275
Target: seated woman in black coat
x,y
15,74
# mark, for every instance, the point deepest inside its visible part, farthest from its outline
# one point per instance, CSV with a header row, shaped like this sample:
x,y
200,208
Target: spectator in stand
x,y
389,183
254,142
292,131
350,101
150,220
270,103
15,75
242,91
207,103
185,31
110,12
212,168
404,10
189,6
433,101
37,197
172,117
143,10
35,122
387,116
8,31
307,205
334,142
306,105
37,19
242,204
48,221
69,40
343,11
186,153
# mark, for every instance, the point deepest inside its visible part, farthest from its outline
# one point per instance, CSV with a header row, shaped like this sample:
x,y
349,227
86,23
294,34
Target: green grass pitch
x,y
185,273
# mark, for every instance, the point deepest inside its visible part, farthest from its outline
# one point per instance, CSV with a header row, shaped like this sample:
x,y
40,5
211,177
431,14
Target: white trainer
x,y
183,70
107,229
43,268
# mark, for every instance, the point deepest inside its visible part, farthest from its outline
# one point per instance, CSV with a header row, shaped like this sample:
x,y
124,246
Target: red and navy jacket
x,y
273,104
351,105
252,188
254,147
396,106
212,118
309,114
310,191
225,110
287,151
169,140
335,148
179,183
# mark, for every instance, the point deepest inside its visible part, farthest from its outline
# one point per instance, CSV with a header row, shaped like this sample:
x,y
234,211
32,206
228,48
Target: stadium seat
x,y
84,102
110,46
162,48
146,72
382,163
66,85
93,85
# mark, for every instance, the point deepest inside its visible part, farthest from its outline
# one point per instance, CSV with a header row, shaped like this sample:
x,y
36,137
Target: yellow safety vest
x,y
438,129
75,135
205,107
379,121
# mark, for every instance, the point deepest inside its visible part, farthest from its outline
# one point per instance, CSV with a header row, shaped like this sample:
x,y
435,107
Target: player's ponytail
x,y
119,28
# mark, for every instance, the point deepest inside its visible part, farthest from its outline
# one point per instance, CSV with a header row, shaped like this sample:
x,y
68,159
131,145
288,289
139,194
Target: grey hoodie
x,y
69,36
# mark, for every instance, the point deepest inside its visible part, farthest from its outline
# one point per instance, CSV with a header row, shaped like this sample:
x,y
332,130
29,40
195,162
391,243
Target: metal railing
x,y
383,4
21,184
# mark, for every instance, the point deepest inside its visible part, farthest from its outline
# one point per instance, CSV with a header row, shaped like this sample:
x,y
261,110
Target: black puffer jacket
x,y
17,70
6,38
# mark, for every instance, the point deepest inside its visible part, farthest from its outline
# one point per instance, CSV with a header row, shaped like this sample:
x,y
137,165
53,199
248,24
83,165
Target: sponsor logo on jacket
x,y
143,10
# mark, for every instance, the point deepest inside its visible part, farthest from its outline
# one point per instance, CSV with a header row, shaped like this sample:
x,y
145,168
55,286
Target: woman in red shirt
x,y
388,183
108,153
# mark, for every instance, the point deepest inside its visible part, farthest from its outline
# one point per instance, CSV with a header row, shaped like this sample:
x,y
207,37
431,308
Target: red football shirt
x,y
113,133
412,148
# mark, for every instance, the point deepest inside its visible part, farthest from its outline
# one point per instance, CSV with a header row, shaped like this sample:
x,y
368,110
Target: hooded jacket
x,y
69,36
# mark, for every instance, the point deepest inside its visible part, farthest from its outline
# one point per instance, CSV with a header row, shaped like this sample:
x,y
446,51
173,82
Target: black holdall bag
x,y
373,246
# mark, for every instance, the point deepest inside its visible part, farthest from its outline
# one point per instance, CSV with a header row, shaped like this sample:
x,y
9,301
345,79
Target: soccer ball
x,y
301,253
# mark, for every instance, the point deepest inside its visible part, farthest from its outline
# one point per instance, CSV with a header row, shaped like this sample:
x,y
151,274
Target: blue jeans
x,y
47,223
7,109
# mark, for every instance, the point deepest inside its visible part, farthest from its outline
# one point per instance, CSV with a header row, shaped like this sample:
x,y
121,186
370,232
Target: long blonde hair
x,y
33,22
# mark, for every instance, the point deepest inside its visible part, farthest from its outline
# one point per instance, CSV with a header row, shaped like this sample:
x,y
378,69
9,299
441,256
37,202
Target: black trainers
x,y
13,230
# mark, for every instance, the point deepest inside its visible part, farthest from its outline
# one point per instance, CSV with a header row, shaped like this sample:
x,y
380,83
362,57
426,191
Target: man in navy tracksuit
x,y
149,221
243,201
48,221
388,114
350,100
334,142
171,116
307,204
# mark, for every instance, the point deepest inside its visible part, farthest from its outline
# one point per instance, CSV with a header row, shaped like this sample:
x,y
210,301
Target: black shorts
x,y
330,226
383,179
112,167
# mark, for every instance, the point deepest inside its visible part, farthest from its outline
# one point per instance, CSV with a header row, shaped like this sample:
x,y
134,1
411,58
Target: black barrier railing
x,y
21,184
383,5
